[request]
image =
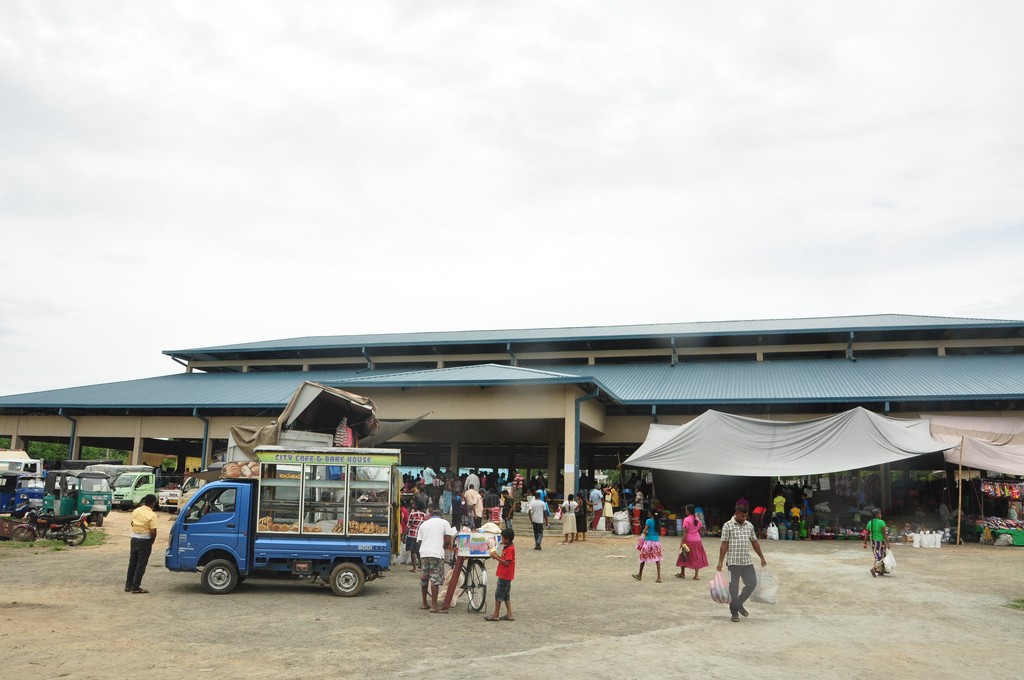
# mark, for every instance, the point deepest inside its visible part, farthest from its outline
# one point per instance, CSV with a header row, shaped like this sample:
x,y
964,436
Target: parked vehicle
x,y
132,486
78,491
20,461
168,498
71,529
8,490
16,530
30,492
318,514
189,488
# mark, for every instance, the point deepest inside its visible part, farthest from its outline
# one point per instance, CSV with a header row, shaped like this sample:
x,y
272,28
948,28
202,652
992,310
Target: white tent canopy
x,y
993,444
722,444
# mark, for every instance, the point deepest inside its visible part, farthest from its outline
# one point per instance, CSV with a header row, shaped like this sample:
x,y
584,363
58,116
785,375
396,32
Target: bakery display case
x,y
279,499
368,493
323,498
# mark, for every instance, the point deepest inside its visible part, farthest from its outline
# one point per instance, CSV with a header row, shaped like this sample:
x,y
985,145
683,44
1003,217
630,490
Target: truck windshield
x,y
125,479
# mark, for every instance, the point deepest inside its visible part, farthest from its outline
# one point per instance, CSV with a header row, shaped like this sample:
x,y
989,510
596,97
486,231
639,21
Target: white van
x,y
12,460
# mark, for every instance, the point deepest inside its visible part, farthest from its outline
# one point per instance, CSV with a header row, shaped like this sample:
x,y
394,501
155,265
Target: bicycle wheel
x,y
476,585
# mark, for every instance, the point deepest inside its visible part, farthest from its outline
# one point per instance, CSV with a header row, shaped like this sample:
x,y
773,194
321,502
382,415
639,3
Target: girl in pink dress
x,y
694,557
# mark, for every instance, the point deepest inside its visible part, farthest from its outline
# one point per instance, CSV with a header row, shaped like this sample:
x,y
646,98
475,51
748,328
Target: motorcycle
x,y
71,529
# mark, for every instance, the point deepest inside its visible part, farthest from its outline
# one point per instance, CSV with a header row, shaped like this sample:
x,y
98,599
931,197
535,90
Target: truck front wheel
x,y
96,519
347,579
220,577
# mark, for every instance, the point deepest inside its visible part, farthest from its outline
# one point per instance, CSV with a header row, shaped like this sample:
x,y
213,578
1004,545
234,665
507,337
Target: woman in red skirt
x,y
691,549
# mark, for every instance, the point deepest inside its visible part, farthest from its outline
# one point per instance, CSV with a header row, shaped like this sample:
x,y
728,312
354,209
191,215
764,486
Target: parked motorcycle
x,y
68,528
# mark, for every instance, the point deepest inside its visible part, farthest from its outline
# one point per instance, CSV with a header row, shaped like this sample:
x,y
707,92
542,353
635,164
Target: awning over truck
x,y
312,408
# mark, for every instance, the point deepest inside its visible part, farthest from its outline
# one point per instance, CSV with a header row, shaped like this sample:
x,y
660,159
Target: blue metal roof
x,y
814,380
480,374
989,377
873,322
184,390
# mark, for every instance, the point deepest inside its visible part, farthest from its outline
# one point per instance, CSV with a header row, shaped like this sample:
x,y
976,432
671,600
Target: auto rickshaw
x,y
8,491
76,491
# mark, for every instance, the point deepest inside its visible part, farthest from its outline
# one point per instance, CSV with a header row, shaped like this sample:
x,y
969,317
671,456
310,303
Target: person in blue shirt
x,y
650,546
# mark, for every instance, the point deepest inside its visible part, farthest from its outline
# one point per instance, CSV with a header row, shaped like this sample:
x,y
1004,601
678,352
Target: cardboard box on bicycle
x,y
476,544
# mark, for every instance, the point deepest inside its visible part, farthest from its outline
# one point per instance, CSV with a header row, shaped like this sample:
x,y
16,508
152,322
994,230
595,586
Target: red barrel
x,y
636,521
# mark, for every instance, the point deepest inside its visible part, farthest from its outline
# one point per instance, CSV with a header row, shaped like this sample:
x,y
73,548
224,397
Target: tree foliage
x,y
46,451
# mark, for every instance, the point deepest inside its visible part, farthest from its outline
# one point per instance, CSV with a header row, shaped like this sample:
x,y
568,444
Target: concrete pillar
x,y
76,449
17,442
569,470
553,471
136,457
453,458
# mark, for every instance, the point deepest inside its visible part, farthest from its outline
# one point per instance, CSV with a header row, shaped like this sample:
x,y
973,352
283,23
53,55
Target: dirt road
x,y
942,614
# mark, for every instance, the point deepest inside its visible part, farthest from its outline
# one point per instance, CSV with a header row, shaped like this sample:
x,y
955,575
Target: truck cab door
x,y
215,520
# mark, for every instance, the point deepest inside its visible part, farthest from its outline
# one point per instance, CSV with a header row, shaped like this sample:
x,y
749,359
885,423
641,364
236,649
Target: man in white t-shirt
x,y
473,479
429,483
434,536
538,510
474,507
597,503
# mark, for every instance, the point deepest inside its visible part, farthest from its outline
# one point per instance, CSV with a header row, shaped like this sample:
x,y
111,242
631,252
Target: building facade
x,y
563,400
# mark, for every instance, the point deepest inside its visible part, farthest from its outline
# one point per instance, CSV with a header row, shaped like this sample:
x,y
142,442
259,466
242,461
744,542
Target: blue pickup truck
x,y
322,514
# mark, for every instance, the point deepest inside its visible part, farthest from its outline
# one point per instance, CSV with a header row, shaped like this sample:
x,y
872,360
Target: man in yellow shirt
x,y
144,525
780,506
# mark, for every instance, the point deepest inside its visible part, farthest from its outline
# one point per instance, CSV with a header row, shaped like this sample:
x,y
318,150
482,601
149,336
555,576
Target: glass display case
x,y
368,492
278,509
333,500
323,509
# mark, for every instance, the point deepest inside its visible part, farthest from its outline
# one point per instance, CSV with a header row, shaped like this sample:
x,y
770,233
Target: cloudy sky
x,y
183,174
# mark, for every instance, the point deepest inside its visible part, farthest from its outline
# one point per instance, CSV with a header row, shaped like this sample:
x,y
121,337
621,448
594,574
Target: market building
x,y
561,400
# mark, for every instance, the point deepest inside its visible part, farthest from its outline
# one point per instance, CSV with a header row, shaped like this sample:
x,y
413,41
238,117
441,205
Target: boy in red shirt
x,y
505,572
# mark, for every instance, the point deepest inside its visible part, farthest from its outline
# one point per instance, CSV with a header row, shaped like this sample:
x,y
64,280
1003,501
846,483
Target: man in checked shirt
x,y
738,535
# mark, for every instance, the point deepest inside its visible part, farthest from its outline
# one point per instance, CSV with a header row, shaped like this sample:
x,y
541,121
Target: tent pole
x,y
960,492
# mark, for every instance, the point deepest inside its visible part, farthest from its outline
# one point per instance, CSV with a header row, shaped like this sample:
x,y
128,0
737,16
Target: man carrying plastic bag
x,y
767,590
738,536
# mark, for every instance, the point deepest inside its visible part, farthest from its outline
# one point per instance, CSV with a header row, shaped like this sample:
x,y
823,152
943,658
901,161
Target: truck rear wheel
x,y
220,577
347,579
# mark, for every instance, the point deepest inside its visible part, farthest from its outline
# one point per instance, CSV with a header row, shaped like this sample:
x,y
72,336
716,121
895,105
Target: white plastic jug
x,y
917,540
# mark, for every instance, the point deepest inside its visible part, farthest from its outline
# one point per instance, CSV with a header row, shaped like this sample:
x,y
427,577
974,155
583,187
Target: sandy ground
x,y
942,614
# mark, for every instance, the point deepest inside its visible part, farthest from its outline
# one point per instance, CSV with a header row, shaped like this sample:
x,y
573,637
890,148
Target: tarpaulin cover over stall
x,y
993,444
313,407
722,444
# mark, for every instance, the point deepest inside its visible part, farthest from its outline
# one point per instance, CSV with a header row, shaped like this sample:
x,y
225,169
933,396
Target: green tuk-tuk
x,y
71,492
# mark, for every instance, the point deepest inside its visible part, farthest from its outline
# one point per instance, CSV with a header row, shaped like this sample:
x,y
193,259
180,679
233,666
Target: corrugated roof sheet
x,y
873,322
782,381
481,374
814,380
184,390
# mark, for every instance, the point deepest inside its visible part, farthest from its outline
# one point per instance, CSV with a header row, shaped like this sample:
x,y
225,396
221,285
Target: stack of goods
x,y
240,470
361,528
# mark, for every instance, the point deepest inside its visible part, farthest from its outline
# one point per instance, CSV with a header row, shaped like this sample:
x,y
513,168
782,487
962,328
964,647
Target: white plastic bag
x,y
720,589
767,589
773,532
889,561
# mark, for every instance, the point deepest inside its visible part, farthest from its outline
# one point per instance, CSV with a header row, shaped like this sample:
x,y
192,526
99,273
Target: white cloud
x,y
168,169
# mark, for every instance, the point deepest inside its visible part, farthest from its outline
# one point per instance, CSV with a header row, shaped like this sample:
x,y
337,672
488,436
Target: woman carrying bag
x,y
691,548
875,532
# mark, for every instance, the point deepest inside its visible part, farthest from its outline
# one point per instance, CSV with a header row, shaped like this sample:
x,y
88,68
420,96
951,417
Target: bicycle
x,y
474,581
